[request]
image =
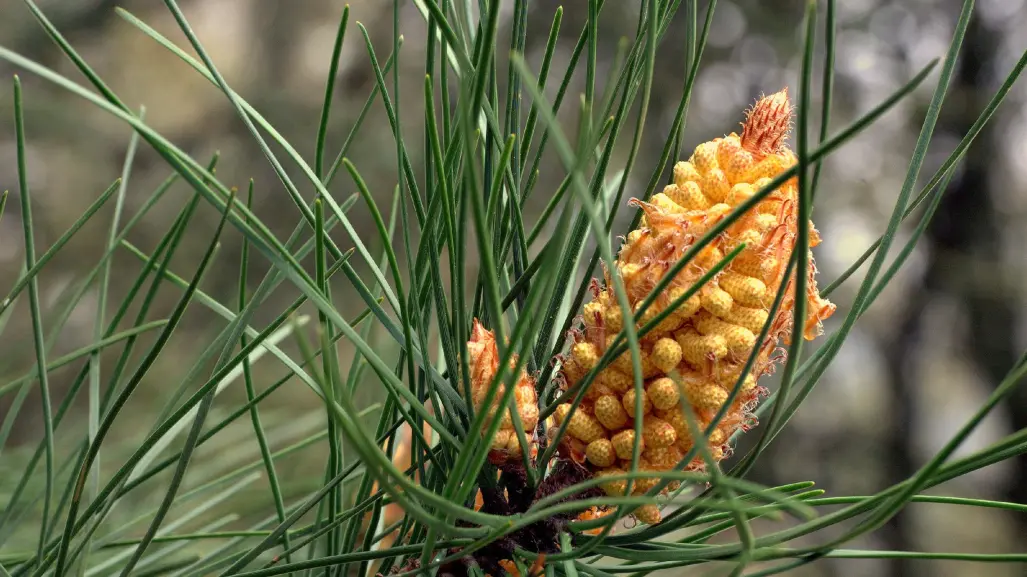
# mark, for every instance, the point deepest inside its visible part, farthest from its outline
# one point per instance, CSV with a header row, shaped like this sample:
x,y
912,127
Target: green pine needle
x,y
153,461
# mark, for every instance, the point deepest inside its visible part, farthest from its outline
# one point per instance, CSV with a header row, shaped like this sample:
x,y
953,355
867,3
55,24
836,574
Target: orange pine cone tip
x,y
483,361
511,568
767,124
594,513
692,360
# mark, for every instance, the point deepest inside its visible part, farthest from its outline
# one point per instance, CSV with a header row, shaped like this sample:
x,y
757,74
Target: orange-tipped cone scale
x,y
697,353
484,363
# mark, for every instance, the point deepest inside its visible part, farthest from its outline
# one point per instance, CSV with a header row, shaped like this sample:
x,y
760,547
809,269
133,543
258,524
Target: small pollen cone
x,y
767,125
483,361
393,513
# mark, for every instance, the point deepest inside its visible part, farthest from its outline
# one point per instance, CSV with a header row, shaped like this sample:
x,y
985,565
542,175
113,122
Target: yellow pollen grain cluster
x,y
632,400
658,433
582,425
662,458
643,484
663,393
648,514
610,412
624,443
717,301
666,354
601,453
613,487
694,356
703,393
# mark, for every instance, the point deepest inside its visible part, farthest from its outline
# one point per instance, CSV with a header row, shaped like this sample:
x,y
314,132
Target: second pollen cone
x,y
484,364
696,354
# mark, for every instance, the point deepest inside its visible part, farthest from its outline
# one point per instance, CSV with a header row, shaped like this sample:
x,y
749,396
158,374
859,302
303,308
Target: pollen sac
x,y
727,376
666,354
592,315
612,320
716,185
630,400
610,413
693,358
615,380
624,442
582,426
705,394
648,514
658,433
507,441
643,485
677,420
585,354
571,371
688,308
746,290
663,458
623,362
613,488
747,317
738,339
687,195
664,393
600,453
717,301
699,349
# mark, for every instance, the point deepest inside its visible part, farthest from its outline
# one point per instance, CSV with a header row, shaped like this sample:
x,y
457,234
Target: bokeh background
x,y
918,364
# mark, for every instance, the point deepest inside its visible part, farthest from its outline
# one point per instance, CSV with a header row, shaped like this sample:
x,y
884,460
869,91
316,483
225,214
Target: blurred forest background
x,y
917,365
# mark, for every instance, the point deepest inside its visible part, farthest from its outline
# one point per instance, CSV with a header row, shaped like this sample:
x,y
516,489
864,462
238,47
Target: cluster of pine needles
x,y
393,372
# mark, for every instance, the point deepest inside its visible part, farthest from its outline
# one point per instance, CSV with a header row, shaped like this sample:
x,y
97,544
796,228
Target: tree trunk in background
x,y
964,233
898,461
968,229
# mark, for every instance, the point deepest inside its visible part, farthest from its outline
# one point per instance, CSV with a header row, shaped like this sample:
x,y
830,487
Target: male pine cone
x,y
697,353
484,364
